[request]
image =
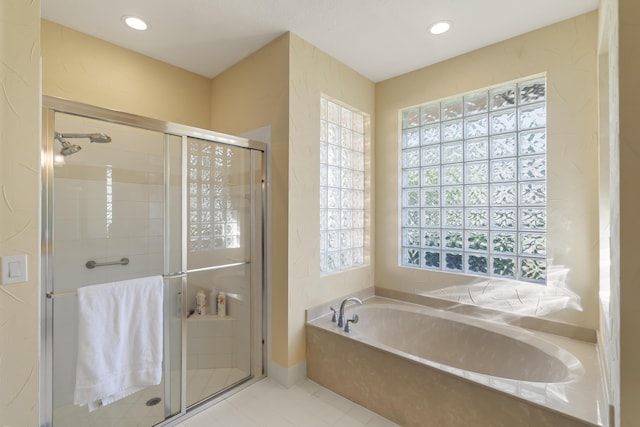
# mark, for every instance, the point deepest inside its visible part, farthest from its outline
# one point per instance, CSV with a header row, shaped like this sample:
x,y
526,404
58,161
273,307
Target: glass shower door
x,y
127,197
223,209
107,206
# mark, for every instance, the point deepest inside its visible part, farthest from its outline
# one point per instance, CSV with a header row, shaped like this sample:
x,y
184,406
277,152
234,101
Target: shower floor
x,y
132,411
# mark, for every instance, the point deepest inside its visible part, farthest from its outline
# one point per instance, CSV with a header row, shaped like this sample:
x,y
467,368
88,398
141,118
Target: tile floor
x,y
202,383
268,404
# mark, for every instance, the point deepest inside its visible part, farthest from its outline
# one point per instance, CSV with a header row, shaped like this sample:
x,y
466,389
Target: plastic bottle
x,y
213,301
222,304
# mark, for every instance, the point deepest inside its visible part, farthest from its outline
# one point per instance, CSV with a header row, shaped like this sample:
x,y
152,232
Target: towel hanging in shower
x,y
119,340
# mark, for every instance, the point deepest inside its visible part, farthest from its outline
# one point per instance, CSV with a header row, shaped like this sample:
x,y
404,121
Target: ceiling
x,y
378,38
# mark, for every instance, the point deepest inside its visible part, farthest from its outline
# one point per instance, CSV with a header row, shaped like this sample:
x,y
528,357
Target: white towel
x,y
119,340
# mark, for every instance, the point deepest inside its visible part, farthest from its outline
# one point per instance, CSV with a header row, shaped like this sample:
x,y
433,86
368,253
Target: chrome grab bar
x,y
92,264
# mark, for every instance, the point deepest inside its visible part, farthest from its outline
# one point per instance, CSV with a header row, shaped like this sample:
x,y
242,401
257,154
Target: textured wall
x,y
253,94
567,53
280,85
19,207
312,73
81,68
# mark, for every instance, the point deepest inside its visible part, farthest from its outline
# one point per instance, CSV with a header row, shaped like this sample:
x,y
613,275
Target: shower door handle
x,y
175,275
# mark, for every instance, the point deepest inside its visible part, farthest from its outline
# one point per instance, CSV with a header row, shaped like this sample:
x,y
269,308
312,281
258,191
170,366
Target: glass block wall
x,y
213,220
342,192
474,189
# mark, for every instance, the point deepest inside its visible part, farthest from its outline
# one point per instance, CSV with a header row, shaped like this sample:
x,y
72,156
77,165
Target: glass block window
x,y
342,192
474,189
213,220
109,201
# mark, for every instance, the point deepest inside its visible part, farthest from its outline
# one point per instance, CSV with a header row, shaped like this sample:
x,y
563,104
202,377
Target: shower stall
x,y
125,197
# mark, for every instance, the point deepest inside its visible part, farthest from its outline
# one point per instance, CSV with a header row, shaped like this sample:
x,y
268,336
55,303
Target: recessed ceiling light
x,y
440,27
135,23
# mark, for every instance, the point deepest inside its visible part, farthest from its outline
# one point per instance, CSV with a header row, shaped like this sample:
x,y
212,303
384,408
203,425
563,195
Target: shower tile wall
x,y
103,220
214,342
210,342
85,229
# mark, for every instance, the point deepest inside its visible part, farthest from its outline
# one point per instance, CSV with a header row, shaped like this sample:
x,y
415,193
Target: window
x,y
342,192
473,183
109,201
213,219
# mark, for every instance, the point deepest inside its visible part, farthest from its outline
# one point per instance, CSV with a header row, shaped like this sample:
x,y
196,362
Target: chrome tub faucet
x,y
341,320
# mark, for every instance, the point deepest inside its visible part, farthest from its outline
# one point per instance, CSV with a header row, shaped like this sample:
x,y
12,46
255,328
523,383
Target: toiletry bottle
x,y
213,301
201,303
222,303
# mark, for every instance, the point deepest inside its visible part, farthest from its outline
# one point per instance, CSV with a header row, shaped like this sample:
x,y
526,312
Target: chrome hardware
x,y
125,261
347,326
92,264
53,295
341,314
334,318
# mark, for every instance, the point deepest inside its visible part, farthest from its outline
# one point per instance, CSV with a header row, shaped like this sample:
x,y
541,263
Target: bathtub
x,y
419,366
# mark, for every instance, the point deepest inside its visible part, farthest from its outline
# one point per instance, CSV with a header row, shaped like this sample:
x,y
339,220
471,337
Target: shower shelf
x,y
197,317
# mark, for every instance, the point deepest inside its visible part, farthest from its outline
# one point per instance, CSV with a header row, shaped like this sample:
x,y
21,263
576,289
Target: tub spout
x,y
341,314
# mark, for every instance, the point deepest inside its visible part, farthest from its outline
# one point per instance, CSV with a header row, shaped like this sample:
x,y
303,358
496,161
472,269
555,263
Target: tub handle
x,y
347,326
334,318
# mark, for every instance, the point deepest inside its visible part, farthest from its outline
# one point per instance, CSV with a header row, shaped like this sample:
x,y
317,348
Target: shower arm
x,y
93,137
73,135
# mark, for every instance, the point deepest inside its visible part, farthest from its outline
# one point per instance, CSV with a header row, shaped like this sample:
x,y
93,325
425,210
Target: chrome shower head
x,y
68,148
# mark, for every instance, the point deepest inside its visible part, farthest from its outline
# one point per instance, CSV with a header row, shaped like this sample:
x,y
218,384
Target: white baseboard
x,y
287,376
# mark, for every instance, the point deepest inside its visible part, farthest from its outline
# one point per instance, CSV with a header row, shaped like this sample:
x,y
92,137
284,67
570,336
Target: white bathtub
x,y
425,367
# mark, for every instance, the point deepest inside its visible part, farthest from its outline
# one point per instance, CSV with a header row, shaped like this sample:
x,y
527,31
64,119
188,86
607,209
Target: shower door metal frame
x,y
52,105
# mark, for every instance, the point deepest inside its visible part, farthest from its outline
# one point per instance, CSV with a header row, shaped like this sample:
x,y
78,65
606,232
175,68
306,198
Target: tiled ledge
x,y
527,322
195,317
323,309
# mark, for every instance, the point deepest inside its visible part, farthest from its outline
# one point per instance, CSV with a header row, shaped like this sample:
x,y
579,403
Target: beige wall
x,y
253,94
19,208
312,73
567,53
280,86
84,69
